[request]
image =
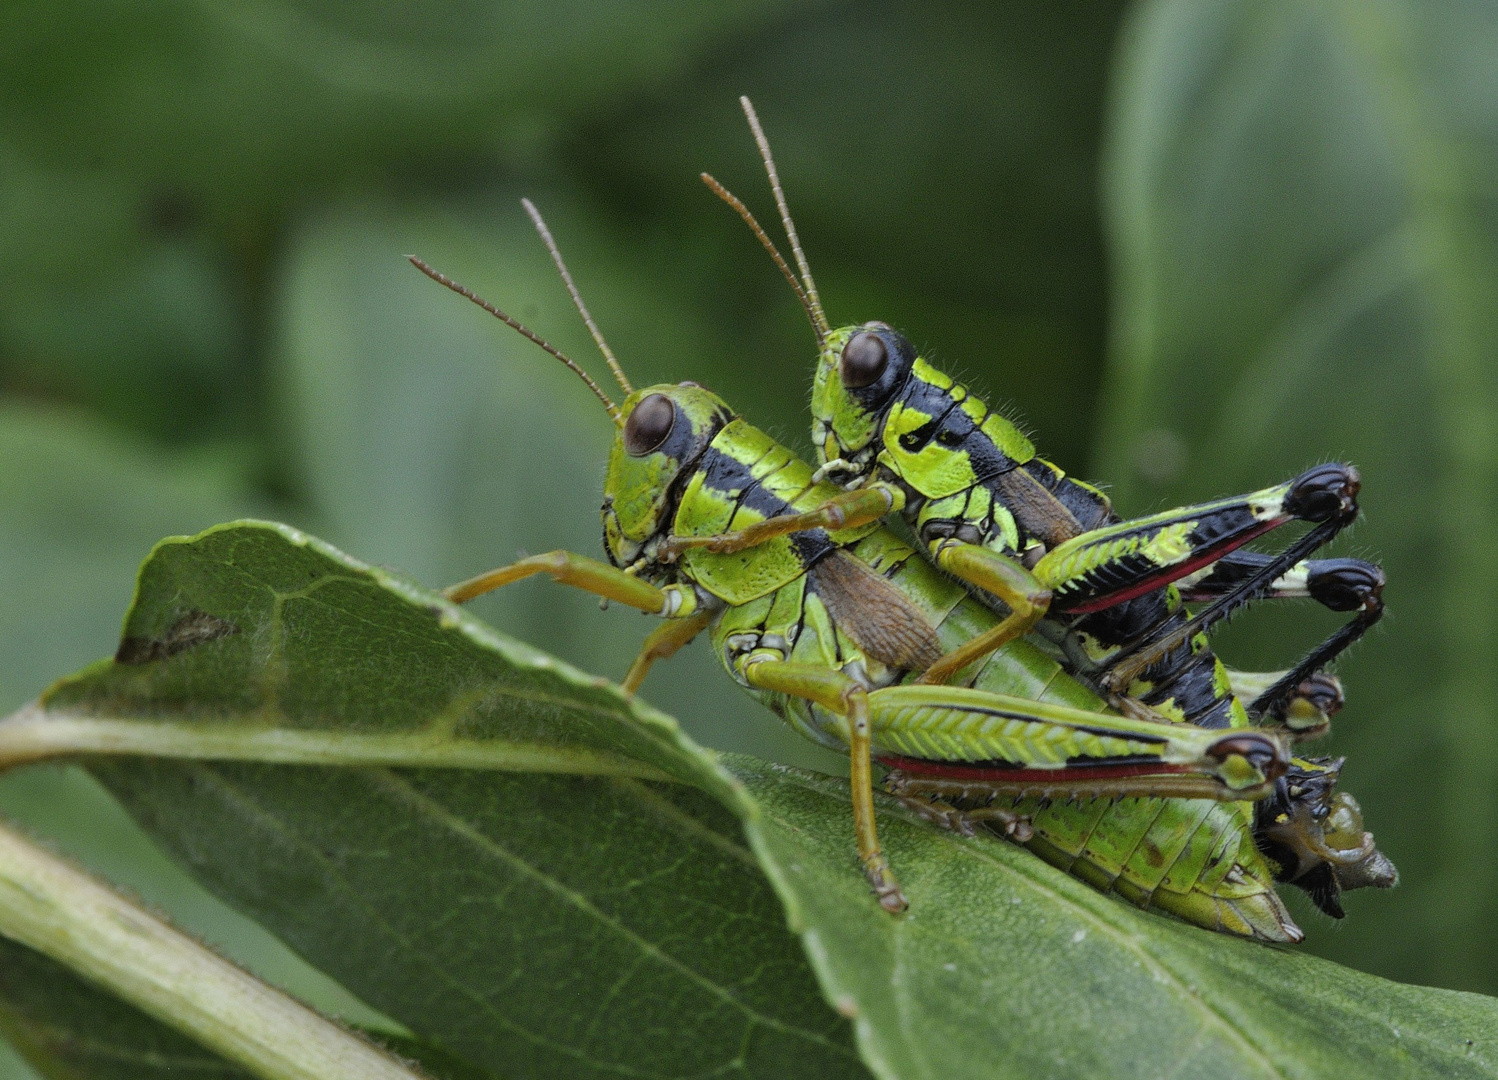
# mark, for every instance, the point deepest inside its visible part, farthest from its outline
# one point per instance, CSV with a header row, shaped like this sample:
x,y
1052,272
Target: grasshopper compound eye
x,y
864,360
648,425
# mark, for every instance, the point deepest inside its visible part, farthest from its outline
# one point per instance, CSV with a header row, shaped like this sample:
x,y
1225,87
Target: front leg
x,y
578,571
847,510
662,644
678,604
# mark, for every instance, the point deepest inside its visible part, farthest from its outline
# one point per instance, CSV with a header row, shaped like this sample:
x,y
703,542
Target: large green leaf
x,y
617,925
1302,198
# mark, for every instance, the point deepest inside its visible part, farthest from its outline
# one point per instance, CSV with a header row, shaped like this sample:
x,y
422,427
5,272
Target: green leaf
x,y
67,1029
81,503
591,925
1301,200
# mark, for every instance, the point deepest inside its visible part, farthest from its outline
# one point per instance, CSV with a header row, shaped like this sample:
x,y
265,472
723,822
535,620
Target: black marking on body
x,y
1088,507
729,477
954,429
1192,685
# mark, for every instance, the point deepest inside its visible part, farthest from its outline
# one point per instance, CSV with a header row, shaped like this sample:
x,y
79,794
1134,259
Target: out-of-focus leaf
x,y
1302,199
598,925
81,506
67,1029
247,104
151,151
109,301
434,439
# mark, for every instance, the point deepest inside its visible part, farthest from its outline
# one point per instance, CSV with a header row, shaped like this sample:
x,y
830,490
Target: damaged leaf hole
x,y
189,631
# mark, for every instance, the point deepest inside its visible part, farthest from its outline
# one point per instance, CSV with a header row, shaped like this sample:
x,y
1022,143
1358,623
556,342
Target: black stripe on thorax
x,y
951,427
731,478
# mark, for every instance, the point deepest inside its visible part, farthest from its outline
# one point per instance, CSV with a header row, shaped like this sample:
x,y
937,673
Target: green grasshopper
x,y
1016,529
823,621
1209,863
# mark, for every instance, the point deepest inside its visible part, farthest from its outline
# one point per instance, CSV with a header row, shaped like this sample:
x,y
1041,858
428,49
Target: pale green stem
x,y
47,904
33,733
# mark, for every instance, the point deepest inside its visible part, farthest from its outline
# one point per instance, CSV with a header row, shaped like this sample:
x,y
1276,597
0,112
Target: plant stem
x,y
52,907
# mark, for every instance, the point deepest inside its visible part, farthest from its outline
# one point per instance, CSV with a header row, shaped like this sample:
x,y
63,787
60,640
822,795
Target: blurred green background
x,y
1197,245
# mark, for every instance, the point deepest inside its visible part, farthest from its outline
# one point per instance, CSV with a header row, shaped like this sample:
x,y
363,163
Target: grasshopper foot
x,y
1003,821
886,888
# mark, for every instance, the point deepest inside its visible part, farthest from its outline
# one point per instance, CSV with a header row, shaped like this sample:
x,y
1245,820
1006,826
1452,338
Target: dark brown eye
x,y
649,424
864,360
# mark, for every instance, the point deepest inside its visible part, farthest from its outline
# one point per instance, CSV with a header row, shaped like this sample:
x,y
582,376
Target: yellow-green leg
x,y
662,644
839,693
848,510
676,604
579,571
1003,577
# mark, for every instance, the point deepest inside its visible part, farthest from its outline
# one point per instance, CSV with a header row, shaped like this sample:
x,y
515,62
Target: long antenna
x,y
577,299
754,226
514,324
820,317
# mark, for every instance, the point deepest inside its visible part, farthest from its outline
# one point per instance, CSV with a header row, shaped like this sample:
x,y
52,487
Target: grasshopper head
x,y
859,371
663,430
1315,835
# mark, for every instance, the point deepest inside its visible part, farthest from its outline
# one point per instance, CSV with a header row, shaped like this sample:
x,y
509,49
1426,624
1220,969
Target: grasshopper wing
x,y
879,618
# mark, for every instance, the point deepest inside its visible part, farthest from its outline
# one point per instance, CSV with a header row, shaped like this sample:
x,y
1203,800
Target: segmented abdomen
x,y
1193,858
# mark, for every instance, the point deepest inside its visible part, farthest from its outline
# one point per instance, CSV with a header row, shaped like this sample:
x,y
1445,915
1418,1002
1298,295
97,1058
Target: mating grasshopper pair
x,y
838,626
1033,542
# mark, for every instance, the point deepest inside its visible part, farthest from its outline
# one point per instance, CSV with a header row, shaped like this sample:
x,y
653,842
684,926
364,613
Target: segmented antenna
x,y
819,317
514,324
577,299
769,245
